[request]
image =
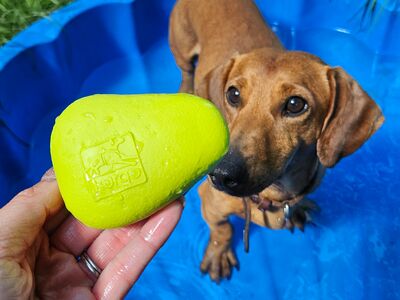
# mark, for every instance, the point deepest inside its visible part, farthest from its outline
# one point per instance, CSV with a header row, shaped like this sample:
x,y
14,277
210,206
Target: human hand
x,y
40,242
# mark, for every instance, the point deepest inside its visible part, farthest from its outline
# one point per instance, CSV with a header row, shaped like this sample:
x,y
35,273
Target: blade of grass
x,y
17,15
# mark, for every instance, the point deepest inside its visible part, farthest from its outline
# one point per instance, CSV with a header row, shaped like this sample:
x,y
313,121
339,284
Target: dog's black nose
x,y
222,180
230,175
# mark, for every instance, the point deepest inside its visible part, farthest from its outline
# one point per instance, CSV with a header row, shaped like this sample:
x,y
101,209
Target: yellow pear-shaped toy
x,y
120,158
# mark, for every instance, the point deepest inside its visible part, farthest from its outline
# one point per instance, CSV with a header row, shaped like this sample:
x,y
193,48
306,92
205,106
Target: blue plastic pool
x,y
121,46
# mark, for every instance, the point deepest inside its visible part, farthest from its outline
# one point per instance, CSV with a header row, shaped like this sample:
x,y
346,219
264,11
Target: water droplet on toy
x,y
108,119
89,115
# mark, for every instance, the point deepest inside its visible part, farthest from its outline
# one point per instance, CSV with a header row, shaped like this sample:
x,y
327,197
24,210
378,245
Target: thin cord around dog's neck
x,y
247,214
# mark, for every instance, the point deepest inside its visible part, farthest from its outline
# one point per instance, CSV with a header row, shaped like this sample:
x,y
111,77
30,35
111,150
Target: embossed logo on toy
x,y
113,166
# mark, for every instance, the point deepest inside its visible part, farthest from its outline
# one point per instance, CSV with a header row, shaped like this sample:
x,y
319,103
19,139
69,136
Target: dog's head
x,y
277,103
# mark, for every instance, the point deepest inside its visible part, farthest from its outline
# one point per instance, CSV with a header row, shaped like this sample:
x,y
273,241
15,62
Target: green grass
x,y
15,15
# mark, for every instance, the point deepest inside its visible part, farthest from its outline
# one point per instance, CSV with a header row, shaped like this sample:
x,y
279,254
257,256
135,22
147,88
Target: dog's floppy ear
x,y
212,85
351,119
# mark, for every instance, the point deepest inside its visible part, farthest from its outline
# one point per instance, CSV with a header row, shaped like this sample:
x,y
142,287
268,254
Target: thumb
x,y
23,217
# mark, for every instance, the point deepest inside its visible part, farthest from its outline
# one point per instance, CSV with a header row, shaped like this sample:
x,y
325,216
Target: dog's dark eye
x,y
295,106
233,96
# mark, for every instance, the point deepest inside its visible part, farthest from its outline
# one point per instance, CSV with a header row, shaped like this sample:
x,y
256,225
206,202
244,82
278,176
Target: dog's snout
x,y
230,175
221,179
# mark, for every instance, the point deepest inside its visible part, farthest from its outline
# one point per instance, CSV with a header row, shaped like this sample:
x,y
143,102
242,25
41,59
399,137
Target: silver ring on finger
x,y
89,264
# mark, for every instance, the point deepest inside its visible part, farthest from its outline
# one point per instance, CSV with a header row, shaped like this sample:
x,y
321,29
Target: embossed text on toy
x,y
113,166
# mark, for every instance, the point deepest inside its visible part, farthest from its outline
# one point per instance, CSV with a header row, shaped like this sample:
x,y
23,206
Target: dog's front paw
x,y
218,261
302,214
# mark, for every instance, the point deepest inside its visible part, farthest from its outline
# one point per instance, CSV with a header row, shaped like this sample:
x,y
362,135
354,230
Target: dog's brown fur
x,y
285,157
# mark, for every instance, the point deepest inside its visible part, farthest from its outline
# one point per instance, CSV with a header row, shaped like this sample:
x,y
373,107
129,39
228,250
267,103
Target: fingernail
x,y
49,175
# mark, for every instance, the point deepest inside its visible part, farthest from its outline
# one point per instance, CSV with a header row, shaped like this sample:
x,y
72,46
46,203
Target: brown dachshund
x,y
289,114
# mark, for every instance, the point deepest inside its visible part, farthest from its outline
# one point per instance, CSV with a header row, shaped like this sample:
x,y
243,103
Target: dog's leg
x,y
219,258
